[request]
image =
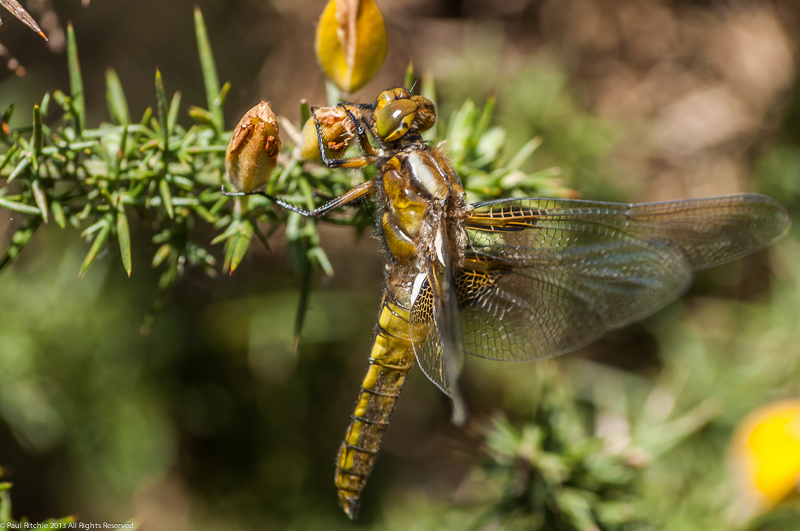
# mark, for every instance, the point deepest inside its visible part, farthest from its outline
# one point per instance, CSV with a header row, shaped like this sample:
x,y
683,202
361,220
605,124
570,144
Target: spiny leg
x,y
239,194
352,162
357,192
356,114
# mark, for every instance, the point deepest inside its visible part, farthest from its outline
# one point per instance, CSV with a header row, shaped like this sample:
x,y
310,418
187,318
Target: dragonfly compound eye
x,y
426,114
389,95
394,119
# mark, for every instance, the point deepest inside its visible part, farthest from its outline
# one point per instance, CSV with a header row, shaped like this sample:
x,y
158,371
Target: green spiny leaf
x,y
409,77
307,191
115,97
460,133
302,303
240,244
490,146
9,154
232,229
317,253
19,207
75,80
201,116
7,113
428,88
97,244
485,117
573,504
210,77
37,136
121,152
166,196
45,103
40,198
124,236
62,100
148,114
657,441
22,237
58,214
230,246
161,96
174,107
524,153
294,234
162,254
171,273
260,235
305,111
219,101
204,213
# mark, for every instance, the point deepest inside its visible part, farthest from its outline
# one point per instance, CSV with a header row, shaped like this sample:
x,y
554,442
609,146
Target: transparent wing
x,y
708,231
546,276
436,327
426,339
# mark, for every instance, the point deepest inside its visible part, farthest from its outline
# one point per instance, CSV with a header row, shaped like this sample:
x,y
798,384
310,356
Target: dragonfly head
x,y
397,112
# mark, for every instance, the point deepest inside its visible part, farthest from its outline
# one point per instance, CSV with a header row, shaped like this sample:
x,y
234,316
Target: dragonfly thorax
x,y
420,193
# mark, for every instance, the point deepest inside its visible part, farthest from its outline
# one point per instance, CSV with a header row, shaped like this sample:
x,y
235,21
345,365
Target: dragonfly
x,y
509,279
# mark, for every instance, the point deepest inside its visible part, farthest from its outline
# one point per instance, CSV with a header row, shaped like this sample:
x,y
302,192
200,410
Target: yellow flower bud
x,y
765,457
253,150
337,131
351,42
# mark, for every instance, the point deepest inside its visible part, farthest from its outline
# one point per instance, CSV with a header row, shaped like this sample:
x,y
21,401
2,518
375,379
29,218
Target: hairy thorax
x,y
420,191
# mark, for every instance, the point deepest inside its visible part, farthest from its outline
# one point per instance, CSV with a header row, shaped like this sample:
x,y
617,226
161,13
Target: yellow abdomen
x,y
391,358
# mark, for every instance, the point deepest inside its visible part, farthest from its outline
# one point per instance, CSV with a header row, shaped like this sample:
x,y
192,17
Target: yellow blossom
x,y
765,456
351,42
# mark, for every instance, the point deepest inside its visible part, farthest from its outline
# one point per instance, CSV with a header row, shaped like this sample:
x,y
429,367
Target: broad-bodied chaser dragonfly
x,y
511,279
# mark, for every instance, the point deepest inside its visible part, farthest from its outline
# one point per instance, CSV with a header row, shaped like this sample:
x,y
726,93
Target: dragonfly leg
x,y
357,192
355,112
238,194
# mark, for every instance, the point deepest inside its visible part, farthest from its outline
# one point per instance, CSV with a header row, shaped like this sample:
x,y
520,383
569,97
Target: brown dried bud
x,y
253,150
338,133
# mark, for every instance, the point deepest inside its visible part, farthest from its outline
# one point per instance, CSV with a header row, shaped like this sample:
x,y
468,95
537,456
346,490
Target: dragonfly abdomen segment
x,y
391,358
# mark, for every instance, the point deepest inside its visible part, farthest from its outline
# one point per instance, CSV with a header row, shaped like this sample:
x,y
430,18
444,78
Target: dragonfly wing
x,y
552,307
708,231
426,338
546,276
435,326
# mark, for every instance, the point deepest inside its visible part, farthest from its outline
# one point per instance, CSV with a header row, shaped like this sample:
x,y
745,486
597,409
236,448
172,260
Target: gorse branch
x,y
93,178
